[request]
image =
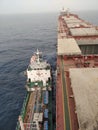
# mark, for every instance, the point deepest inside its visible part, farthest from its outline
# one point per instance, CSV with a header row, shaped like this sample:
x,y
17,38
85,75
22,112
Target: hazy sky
x,y
36,6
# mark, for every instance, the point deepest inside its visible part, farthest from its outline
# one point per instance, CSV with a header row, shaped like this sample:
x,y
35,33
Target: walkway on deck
x,y
30,110
63,117
65,100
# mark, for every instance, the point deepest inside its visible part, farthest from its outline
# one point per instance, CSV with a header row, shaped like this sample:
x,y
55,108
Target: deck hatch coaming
x,y
68,46
84,31
84,83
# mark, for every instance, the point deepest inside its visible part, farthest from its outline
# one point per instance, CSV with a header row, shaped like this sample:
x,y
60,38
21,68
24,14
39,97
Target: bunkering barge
x,y
36,113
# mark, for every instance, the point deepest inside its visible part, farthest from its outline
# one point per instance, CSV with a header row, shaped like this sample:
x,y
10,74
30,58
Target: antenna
x,y
38,54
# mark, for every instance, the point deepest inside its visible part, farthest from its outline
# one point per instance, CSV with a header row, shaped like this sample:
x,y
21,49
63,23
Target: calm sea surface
x,y
20,36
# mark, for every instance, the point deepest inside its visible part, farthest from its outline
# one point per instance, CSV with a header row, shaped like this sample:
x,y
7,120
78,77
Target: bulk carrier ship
x,y
36,113
77,74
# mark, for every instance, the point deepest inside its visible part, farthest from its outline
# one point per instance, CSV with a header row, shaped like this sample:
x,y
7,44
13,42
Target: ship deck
x,y
65,103
29,110
33,110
